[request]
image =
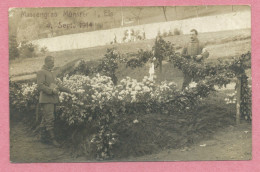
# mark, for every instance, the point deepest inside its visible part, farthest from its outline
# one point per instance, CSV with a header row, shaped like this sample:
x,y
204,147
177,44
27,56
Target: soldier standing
x,y
48,99
193,50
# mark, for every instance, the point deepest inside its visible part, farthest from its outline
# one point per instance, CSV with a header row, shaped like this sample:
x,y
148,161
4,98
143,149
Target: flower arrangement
x,y
23,97
102,99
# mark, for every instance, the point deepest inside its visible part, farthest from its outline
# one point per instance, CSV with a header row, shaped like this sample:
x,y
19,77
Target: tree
x,y
164,12
27,49
162,50
122,17
13,47
197,11
137,15
14,20
176,16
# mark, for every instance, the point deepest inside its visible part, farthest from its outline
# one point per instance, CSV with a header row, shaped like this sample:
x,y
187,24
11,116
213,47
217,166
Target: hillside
x,y
219,44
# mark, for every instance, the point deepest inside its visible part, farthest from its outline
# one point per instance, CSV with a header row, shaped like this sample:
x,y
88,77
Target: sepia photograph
x,y
123,84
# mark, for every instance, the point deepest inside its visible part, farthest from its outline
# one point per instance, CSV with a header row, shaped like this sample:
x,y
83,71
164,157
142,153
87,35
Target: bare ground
x,y
230,143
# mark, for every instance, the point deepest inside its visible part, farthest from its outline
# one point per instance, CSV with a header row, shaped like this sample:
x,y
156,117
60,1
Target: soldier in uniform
x,y
49,90
193,50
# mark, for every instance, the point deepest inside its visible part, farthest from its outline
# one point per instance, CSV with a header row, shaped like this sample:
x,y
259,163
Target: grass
x,y
155,131
219,44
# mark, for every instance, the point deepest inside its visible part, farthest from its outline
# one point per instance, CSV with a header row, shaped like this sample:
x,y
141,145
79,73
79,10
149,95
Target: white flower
x,y
122,92
123,81
99,96
93,97
192,85
138,88
133,93
80,91
135,121
133,99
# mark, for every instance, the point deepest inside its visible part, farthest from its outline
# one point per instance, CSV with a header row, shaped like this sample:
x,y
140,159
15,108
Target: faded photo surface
x,y
92,84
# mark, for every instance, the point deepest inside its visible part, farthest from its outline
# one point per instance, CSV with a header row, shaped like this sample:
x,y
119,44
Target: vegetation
x,y
105,110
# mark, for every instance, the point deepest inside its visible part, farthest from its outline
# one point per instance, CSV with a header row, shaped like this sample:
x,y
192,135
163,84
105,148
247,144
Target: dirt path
x,y
25,147
232,143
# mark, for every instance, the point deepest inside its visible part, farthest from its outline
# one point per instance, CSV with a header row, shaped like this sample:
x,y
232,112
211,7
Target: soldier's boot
x,y
53,140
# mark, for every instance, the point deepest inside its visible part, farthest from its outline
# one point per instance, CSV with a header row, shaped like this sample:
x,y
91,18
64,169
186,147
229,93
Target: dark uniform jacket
x,y
45,78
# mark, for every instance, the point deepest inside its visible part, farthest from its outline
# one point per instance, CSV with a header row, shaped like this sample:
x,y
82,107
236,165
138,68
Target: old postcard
x,y
168,83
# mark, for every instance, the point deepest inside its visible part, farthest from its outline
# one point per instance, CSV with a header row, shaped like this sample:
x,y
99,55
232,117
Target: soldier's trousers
x,y
48,116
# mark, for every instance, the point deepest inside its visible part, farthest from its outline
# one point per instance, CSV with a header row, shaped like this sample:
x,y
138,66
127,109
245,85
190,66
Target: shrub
x,y
109,64
162,50
140,59
170,33
101,101
81,68
13,47
115,108
27,50
44,50
159,33
165,34
177,32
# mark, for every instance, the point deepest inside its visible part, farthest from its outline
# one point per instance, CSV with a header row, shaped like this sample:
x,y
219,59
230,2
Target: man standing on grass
x,y
195,51
46,82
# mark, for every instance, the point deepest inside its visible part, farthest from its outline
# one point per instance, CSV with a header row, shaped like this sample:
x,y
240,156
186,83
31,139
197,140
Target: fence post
x,y
238,89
